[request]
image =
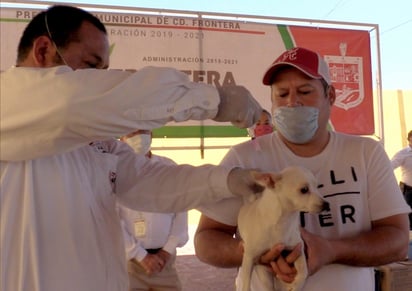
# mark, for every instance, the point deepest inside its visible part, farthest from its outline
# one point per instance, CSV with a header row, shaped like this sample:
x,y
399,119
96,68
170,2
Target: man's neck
x,y
313,148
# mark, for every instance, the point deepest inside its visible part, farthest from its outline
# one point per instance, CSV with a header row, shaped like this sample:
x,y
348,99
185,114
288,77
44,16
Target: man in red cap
x,y
367,224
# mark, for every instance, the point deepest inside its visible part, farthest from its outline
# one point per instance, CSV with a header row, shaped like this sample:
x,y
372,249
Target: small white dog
x,y
273,218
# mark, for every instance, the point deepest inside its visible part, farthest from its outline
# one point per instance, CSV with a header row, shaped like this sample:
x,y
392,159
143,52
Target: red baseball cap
x,y
307,61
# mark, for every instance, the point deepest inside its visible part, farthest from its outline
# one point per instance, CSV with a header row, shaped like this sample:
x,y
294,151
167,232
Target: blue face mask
x,y
297,124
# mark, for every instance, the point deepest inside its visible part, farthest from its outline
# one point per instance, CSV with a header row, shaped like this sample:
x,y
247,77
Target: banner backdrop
x,y
218,51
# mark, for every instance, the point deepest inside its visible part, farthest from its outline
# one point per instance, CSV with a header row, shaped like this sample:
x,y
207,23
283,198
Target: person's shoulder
x,y
243,145
404,151
162,159
9,71
33,72
354,138
251,144
362,144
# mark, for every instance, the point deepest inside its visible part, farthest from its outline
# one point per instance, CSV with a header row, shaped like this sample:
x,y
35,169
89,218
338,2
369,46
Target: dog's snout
x,y
325,206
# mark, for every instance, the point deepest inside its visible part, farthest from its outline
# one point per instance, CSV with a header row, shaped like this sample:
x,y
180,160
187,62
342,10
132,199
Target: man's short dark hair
x,y
63,23
409,134
267,113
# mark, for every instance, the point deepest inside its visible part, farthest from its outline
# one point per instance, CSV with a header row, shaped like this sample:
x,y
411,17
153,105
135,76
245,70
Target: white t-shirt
x,y
355,177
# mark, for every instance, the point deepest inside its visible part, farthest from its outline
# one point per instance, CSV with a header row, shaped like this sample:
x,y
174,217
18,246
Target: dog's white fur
x,y
274,218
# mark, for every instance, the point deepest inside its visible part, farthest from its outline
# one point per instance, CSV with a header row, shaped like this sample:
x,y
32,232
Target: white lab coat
x,y
49,111
59,229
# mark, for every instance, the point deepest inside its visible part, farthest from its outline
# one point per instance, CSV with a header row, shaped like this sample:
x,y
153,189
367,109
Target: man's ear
x,y
331,94
43,52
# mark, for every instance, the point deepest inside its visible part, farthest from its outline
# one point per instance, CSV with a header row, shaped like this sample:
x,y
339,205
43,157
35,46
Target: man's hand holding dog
x,y
318,251
315,251
282,266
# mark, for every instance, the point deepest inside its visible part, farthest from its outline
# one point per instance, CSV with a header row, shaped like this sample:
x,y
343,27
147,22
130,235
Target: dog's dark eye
x,y
304,190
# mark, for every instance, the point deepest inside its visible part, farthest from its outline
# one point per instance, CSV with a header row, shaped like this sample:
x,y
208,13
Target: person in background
x,y
62,170
263,126
151,238
403,159
367,224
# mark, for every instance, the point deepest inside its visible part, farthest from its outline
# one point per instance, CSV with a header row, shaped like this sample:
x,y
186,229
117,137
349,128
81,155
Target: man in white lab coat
x,y
61,170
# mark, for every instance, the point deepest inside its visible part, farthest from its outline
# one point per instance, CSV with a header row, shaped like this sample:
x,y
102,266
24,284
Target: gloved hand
x,y
242,183
237,106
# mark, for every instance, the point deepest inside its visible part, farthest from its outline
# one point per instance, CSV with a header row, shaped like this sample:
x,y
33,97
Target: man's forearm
x,y
386,242
218,249
378,247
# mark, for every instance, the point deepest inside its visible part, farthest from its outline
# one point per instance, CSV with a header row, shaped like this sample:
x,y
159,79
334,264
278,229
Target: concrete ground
x,y
198,276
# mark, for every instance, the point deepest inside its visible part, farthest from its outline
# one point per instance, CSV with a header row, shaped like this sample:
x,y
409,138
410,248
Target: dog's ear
x,y
266,179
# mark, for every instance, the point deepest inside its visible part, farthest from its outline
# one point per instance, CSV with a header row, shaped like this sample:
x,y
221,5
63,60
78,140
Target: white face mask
x,y
297,124
140,143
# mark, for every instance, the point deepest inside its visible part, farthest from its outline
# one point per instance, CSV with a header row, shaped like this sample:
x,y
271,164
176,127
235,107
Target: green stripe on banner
x,y
14,20
199,131
286,37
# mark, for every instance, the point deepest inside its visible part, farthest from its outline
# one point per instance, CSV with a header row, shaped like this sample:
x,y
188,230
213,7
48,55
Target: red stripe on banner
x,y
187,28
348,55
